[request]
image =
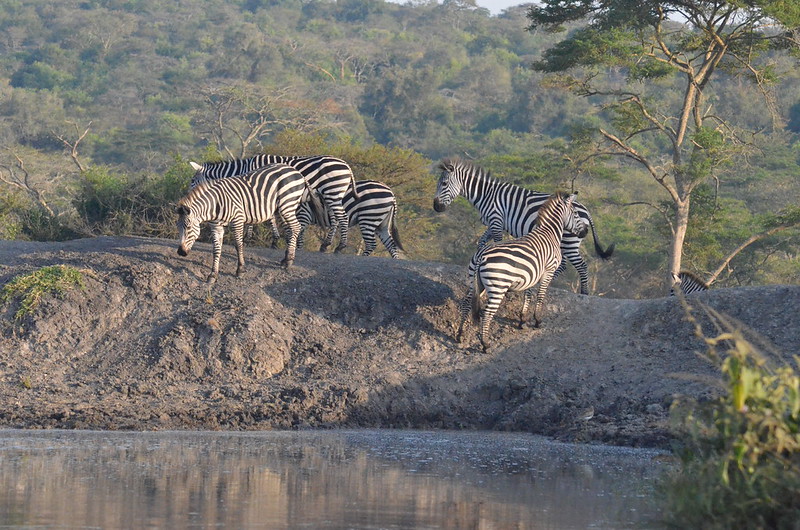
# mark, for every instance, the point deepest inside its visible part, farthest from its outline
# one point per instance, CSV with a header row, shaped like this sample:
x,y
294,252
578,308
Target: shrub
x,y
741,453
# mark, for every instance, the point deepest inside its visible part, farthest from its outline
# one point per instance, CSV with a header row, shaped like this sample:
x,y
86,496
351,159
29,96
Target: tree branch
x,y
752,239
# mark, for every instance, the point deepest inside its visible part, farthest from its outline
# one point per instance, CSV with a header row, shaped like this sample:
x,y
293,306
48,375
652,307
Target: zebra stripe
x,y
504,207
520,264
256,197
329,176
689,283
374,210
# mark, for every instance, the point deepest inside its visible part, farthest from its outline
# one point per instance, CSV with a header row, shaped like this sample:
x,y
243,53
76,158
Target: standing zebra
x,y
520,264
329,176
689,283
513,209
252,198
374,210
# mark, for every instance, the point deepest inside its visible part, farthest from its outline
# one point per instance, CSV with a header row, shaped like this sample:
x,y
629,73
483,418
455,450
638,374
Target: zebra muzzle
x,y
182,251
438,206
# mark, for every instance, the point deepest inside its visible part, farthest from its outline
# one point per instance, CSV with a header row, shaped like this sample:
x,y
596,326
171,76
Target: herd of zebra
x,y
292,192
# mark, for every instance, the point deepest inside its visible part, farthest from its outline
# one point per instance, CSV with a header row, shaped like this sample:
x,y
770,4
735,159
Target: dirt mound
x,y
341,341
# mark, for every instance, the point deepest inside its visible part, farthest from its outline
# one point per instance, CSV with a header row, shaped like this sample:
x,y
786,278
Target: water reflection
x,y
320,479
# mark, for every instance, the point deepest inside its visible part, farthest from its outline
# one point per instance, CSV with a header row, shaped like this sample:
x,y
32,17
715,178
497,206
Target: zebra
x,y
330,176
374,210
252,198
520,264
513,209
689,283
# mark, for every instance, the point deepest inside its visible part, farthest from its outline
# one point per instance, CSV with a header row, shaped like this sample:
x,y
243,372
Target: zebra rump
x,y
373,210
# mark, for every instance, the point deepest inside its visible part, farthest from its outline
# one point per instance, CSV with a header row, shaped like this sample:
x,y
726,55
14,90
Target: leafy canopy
x,y
619,26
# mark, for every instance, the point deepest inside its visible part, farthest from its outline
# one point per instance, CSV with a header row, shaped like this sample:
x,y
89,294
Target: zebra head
x,y
199,175
188,226
573,223
450,184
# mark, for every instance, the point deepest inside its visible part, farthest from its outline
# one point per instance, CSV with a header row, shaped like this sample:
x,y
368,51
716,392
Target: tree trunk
x,y
678,235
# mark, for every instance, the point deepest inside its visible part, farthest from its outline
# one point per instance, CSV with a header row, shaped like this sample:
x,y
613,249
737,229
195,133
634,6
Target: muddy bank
x,y
341,341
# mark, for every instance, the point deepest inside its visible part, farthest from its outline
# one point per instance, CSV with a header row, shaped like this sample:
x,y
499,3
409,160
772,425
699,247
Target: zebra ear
x,y
572,197
195,166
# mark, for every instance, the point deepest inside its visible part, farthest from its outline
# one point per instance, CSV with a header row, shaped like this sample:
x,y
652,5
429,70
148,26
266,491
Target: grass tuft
x,y
33,287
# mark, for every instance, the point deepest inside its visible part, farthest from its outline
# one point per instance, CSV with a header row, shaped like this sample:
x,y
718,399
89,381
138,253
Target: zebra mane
x,y
694,277
474,169
550,204
189,198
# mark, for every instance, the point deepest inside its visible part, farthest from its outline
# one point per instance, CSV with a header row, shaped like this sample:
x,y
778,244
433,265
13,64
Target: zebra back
x,y
254,197
322,171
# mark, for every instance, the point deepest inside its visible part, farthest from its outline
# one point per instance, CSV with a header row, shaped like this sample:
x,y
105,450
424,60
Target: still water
x,y
361,479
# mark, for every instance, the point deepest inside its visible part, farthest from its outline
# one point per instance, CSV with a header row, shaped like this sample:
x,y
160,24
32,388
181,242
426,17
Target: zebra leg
x,y
343,223
331,231
238,240
276,233
217,231
544,283
388,242
572,254
465,309
492,305
292,231
526,302
370,242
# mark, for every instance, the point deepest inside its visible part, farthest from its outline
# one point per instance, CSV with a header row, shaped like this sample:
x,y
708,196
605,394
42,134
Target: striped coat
x,y
519,265
330,177
505,207
256,197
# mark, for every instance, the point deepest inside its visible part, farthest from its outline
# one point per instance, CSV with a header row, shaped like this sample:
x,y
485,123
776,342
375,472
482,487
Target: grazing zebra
x,y
374,210
252,198
513,209
520,264
689,283
329,176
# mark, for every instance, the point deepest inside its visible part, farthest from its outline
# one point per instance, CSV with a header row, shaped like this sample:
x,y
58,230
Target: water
x,y
320,479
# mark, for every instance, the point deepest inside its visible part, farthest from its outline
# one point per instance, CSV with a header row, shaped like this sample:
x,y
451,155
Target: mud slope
x,y
341,341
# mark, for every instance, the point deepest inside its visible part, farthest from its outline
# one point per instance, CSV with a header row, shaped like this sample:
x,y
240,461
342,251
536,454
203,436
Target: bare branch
x,y
23,182
749,241
73,146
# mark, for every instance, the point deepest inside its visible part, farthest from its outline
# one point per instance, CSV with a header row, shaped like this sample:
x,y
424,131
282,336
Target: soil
x,y
346,341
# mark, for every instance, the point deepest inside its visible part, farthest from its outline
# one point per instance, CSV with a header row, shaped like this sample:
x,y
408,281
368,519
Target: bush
x,y
741,454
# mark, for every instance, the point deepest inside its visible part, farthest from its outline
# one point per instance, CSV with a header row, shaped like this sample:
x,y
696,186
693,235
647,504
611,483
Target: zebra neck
x,y
478,190
547,229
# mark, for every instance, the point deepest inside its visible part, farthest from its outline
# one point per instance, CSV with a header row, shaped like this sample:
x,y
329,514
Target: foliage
x,y
33,287
390,88
741,458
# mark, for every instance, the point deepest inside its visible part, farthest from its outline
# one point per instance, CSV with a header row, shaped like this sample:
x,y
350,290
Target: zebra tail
x,y
477,291
393,228
605,254
317,206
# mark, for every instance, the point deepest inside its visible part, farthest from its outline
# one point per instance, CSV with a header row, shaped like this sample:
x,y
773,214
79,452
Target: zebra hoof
x,y
212,279
239,272
286,263
339,249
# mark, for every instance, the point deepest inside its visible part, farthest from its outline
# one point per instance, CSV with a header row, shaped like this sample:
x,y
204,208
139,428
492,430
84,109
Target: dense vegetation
x,y
104,102
740,454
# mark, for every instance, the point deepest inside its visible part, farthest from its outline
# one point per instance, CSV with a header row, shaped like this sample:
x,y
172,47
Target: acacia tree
x,y
679,145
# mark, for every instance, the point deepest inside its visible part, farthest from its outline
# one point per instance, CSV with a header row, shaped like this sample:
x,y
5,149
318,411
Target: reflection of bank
x,y
335,479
